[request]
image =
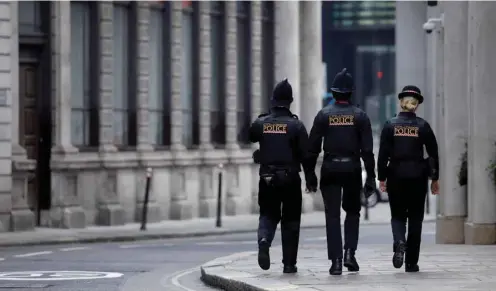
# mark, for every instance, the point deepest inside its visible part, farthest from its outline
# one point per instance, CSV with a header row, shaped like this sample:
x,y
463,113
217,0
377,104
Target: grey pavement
x,y
442,267
148,265
168,229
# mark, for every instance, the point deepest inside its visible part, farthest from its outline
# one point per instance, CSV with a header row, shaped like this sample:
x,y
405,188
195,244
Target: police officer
x,y
283,141
347,135
402,165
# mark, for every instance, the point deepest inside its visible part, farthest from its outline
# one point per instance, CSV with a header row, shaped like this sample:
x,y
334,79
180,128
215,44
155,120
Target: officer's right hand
x,y
435,187
311,182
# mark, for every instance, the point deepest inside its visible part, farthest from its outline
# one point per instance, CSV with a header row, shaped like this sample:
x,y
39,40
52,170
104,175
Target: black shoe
x,y
399,255
336,267
289,269
263,255
411,268
350,261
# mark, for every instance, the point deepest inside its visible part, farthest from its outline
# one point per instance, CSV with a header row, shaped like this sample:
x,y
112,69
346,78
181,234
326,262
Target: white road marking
x,y
145,245
220,243
316,238
73,249
56,275
175,279
130,246
33,254
2,259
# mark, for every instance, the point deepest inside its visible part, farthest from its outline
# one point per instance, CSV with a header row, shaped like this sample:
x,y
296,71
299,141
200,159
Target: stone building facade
x,y
93,93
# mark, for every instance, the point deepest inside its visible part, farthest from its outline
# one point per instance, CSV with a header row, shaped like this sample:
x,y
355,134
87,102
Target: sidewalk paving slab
x,y
442,268
169,229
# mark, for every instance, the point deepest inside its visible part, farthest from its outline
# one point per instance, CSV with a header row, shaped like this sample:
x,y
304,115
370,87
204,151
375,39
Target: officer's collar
x,y
280,109
407,114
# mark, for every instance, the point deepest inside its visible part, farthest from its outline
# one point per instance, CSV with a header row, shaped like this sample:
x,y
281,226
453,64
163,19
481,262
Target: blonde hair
x,y
409,104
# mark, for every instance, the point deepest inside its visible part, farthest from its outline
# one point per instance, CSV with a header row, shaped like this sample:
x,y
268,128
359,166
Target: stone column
x,y
180,207
66,212
311,60
110,212
411,46
17,149
61,35
454,124
287,47
256,84
311,73
481,225
176,52
143,73
106,30
205,74
231,69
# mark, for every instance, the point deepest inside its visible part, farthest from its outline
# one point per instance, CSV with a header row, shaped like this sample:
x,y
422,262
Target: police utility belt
x,y
277,176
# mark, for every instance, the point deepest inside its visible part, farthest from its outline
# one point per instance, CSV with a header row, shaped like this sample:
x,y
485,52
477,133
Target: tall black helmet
x,y
282,94
343,82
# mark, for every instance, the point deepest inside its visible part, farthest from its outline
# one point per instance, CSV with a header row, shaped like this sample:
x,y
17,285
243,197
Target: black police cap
x,y
343,82
282,94
411,91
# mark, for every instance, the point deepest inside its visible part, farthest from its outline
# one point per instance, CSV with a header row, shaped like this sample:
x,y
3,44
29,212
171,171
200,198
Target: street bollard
x,y
147,197
218,222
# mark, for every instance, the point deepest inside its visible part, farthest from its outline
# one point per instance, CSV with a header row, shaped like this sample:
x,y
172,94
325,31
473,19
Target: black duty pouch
x,y
276,177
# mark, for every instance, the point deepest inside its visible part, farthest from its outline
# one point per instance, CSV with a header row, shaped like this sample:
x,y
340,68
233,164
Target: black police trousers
x,y
407,202
345,187
270,199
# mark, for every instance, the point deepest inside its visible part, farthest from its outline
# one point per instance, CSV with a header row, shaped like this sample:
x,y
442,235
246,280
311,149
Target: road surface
x,y
171,265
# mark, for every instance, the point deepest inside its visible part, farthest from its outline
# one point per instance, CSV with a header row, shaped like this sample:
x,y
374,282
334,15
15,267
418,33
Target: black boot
x,y
411,268
289,269
263,254
399,254
336,267
350,261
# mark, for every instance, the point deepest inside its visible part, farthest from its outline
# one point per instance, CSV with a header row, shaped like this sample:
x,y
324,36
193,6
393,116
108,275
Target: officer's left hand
x,y
382,186
311,182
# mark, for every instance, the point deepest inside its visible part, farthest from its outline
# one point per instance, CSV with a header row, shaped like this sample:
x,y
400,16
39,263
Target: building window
x,y
243,79
189,79
159,79
84,101
218,92
268,58
30,17
124,95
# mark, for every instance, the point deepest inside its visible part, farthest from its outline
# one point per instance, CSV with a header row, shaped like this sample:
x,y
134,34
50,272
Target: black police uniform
x,y
401,163
347,135
283,143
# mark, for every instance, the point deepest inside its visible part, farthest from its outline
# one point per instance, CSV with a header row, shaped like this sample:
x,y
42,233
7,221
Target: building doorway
x,y
35,91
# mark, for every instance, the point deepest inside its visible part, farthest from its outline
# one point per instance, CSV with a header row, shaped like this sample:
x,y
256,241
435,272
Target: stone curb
x,y
214,274
146,236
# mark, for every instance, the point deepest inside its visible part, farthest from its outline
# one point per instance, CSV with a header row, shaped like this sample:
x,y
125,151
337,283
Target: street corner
x,y
224,273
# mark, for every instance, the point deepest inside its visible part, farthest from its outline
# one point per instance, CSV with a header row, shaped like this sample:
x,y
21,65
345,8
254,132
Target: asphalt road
x,y
171,265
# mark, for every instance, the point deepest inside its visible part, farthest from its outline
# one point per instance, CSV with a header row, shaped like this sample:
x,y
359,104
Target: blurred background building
x,y
93,93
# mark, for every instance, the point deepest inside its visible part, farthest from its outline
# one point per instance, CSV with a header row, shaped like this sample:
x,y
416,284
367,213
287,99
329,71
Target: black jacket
x,y
347,133
401,151
283,139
